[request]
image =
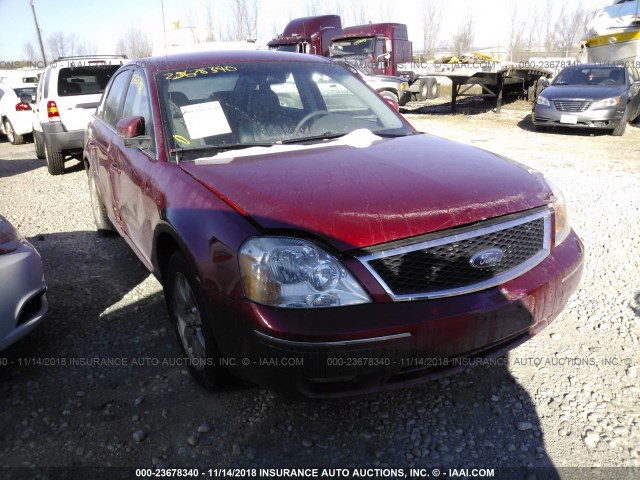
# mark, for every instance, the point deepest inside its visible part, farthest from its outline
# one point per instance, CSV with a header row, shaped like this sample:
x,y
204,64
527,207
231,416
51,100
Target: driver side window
x,y
137,104
111,109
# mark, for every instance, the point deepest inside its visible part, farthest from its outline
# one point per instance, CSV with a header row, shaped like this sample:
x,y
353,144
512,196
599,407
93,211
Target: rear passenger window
x,y
84,80
110,112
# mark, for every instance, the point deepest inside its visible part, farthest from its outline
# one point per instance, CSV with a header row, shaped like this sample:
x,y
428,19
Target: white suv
x,y
16,117
67,96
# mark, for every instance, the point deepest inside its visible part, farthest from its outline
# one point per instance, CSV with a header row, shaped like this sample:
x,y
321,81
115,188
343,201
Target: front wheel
x,y
12,136
622,126
187,308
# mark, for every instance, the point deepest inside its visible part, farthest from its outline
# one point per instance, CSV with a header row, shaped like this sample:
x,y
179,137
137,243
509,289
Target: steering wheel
x,y
610,81
307,117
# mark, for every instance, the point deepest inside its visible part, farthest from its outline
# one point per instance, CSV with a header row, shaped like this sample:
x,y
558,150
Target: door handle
x,y
115,168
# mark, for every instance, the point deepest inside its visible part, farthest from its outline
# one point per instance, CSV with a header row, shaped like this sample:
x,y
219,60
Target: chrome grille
x,y
442,267
574,106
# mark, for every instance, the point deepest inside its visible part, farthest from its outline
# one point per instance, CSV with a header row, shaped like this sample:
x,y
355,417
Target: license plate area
x,y
569,119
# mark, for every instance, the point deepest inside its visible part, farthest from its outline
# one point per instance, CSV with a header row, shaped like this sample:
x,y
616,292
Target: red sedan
x,y
307,237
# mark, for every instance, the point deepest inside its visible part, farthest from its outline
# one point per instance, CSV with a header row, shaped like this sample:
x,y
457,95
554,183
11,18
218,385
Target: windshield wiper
x,y
396,135
216,148
314,138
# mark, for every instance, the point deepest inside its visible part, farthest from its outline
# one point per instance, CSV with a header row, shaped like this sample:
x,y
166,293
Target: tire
x,y
622,126
433,88
55,160
39,145
531,92
104,227
191,322
11,134
423,90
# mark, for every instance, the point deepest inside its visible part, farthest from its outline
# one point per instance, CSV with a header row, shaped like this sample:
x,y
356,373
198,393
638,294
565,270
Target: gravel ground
x,y
568,398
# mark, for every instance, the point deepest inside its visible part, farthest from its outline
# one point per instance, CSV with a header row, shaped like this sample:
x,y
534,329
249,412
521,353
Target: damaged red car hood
x,y
358,197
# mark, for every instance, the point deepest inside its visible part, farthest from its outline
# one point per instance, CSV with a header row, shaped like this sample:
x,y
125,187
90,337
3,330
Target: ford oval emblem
x,y
486,258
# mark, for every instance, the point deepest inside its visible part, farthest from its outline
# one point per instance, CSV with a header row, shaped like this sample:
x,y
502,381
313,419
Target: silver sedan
x,y
590,96
23,301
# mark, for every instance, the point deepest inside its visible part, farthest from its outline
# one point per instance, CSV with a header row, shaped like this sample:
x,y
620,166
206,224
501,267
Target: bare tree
x,y
245,14
192,25
134,44
463,39
431,22
208,22
339,8
532,26
85,48
386,14
571,24
30,53
548,27
59,45
360,14
313,7
517,32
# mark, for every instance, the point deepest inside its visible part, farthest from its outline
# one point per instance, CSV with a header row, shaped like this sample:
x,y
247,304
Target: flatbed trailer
x,y
495,79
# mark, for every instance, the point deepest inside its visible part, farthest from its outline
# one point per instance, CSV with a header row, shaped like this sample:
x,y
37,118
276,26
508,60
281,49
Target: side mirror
x,y
130,127
131,131
26,98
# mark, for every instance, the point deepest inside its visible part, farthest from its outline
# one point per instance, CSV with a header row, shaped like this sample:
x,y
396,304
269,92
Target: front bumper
x,y
23,301
59,139
606,118
353,350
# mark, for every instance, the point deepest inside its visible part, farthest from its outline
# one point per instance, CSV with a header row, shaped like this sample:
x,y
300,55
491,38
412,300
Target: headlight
x,y
543,101
607,102
559,205
9,236
293,273
404,86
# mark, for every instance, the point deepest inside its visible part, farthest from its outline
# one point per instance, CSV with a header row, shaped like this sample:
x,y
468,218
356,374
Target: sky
x,y
101,22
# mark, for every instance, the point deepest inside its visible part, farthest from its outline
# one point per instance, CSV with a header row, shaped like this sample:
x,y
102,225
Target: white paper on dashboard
x,y
205,119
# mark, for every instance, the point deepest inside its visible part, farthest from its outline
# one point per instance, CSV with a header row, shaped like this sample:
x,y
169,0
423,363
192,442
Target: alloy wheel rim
x,y
189,322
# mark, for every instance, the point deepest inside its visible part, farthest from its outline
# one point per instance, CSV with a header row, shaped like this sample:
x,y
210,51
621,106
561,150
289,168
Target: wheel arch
x,y
165,243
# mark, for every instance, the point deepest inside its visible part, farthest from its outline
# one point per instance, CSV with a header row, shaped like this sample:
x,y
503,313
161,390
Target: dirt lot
x,y
569,398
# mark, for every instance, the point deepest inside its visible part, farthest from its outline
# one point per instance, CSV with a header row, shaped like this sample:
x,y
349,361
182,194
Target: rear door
x,y
78,90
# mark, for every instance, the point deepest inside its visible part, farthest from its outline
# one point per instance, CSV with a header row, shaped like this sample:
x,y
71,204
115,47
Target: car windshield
x,y
285,47
25,91
591,75
352,46
265,103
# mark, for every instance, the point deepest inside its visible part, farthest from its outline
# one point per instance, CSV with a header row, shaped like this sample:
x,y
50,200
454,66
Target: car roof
x,y
195,59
